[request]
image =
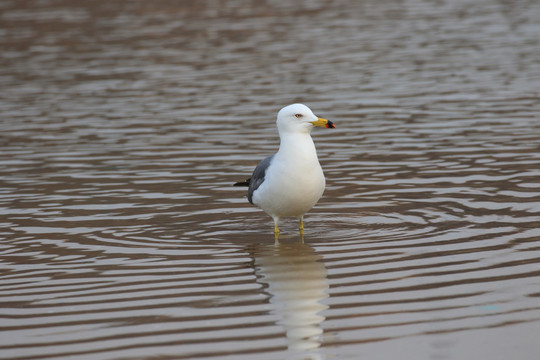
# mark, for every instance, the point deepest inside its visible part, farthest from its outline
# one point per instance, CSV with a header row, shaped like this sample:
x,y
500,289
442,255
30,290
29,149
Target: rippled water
x,y
124,125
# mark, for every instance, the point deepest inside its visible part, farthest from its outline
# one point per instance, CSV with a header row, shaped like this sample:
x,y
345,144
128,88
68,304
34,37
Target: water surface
x,y
124,125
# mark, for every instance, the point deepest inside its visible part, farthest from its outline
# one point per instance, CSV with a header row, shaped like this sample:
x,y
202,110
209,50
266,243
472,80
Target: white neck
x,y
298,146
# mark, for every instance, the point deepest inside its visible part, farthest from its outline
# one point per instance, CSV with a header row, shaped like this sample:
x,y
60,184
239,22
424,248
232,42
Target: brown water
x,y
124,124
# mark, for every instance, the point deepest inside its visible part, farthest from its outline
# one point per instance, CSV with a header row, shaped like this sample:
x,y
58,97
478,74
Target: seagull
x,y
290,182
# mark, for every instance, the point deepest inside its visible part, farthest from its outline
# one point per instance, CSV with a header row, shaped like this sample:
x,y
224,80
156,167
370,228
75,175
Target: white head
x,y
298,118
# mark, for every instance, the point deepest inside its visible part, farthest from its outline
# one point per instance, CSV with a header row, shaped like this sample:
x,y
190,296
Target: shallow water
x,y
124,124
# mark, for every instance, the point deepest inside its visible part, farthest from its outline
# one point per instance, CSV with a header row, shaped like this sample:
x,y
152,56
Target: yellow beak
x,y
323,123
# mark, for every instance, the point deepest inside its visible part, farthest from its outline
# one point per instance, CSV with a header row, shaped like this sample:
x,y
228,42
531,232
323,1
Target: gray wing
x,y
257,178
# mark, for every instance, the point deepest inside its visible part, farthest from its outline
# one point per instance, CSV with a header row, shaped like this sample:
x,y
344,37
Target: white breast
x,y
294,181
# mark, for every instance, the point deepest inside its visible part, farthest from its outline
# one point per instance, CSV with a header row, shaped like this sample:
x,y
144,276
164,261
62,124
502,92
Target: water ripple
x,y
125,124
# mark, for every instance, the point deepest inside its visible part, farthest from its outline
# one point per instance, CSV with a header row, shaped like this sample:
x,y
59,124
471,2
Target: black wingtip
x,y
242,183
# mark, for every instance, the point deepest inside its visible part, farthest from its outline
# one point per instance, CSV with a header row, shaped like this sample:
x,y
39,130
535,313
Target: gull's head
x,y
299,118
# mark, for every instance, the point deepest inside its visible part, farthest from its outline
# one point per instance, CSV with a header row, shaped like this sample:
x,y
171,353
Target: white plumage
x,y
290,182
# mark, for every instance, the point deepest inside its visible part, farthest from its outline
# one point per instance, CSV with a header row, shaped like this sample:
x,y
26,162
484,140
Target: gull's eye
x,y
298,116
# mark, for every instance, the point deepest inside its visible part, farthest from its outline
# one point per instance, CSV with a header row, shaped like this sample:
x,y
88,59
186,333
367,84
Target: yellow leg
x,y
276,220
276,234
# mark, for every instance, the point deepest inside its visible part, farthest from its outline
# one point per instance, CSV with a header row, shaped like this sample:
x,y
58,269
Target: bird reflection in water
x,y
295,278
